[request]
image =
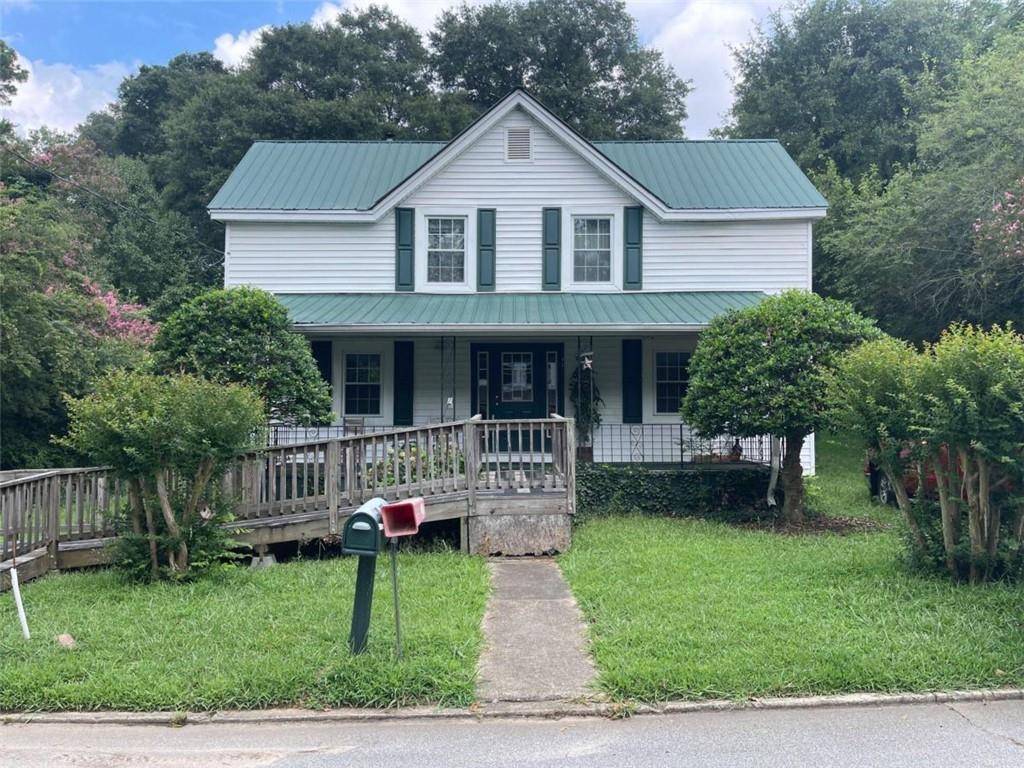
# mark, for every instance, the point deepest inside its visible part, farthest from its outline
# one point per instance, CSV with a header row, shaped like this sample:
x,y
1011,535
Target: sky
x,y
78,52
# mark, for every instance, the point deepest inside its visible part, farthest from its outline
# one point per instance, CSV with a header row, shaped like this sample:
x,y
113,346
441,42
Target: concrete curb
x,y
504,710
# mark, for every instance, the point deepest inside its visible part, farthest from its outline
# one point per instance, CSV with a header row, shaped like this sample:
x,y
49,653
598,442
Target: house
x,y
437,280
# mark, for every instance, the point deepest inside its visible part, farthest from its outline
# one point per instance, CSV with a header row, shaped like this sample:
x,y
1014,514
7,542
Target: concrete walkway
x,y
536,642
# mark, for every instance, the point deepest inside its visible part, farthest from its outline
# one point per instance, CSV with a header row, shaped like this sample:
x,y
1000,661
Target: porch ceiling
x,y
411,313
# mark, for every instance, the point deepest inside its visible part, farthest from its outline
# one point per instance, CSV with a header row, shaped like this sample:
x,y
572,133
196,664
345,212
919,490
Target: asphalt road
x,y
926,735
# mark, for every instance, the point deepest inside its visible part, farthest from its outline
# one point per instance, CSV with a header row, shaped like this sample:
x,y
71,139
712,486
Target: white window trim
x,y
568,257
382,347
469,284
504,146
651,346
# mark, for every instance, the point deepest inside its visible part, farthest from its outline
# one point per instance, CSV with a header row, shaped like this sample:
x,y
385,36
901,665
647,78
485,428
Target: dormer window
x,y
518,143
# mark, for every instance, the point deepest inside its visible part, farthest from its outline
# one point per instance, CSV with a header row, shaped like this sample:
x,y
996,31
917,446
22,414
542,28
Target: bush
x,y
241,336
170,438
731,495
955,411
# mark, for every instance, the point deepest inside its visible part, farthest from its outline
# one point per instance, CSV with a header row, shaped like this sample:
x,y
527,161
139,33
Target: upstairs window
x,y
446,250
518,145
592,249
671,377
362,385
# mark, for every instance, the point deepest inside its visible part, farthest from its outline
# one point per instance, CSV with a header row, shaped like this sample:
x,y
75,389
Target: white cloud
x,y
61,95
232,50
696,43
420,13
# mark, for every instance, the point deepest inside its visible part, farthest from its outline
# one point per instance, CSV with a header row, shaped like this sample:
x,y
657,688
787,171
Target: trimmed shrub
x,y
734,494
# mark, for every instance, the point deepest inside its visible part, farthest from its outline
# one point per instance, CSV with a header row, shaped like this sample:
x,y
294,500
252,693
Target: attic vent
x,y
517,144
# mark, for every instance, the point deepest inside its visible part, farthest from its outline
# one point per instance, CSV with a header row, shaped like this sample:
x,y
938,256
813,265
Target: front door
x,y
517,381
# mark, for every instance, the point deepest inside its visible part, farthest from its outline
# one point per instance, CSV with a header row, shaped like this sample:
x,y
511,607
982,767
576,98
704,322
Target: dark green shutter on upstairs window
x,y
404,382
633,248
632,381
485,249
405,241
551,276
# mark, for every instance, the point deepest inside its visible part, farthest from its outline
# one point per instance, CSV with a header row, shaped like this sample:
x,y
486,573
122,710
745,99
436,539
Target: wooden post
x,y
53,521
472,448
569,457
333,482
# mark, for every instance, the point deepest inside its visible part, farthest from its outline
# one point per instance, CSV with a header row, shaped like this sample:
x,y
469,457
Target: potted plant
x,y
587,404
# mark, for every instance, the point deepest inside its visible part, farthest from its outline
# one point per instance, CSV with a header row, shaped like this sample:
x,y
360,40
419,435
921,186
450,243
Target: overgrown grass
x,y
692,609
245,639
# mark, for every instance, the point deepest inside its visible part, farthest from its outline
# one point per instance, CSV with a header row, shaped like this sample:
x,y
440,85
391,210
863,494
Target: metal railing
x,y
673,444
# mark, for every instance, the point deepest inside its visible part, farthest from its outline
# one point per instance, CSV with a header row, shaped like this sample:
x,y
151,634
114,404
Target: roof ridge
x,y
685,141
350,141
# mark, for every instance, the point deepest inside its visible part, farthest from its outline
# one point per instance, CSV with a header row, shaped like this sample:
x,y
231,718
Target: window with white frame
x,y
362,385
671,377
592,249
446,249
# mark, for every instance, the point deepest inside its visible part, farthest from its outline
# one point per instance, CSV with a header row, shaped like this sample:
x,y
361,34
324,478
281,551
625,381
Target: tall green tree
x,y
848,81
582,58
920,251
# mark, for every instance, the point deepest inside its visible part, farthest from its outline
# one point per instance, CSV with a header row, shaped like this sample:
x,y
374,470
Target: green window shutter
x,y
404,383
552,241
633,248
486,236
405,240
632,381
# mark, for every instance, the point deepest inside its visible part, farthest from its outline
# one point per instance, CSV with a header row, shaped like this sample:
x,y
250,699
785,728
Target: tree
x,y
914,251
848,81
11,73
60,330
168,437
148,98
972,403
874,396
763,370
582,58
954,412
241,335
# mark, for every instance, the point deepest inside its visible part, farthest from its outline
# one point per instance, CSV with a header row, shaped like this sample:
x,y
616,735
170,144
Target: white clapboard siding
x,y
311,258
687,256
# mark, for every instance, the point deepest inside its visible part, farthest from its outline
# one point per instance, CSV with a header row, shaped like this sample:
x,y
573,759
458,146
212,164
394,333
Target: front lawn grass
x,y
684,608
246,639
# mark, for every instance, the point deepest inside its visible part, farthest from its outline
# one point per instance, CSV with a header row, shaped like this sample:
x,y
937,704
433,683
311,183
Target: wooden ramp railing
x,y
455,459
59,509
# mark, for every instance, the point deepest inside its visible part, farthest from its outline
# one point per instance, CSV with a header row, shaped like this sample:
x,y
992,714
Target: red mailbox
x,y
403,518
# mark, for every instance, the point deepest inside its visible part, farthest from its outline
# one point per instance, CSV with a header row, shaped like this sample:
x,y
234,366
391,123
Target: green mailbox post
x,y
362,536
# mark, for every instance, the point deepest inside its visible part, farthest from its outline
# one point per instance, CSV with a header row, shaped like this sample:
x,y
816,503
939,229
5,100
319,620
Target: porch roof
x,y
425,313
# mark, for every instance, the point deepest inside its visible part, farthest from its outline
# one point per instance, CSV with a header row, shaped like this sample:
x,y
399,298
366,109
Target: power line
x,y
109,201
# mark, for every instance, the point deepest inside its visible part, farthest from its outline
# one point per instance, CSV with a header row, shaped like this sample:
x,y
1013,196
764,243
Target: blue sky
x,y
77,52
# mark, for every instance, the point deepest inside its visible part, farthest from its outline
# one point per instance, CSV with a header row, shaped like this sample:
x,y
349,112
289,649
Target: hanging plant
x,y
586,403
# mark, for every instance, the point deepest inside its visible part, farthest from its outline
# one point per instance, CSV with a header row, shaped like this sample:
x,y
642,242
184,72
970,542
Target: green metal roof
x,y
320,175
353,175
716,174
583,312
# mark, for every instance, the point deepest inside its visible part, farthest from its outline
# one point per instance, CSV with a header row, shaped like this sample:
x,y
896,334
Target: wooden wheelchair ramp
x,y
510,483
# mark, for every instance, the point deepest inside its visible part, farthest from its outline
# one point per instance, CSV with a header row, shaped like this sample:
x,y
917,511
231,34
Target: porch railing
x,y
612,443
673,444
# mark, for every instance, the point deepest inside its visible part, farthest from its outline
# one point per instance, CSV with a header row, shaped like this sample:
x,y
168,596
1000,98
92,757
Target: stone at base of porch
x,y
511,527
